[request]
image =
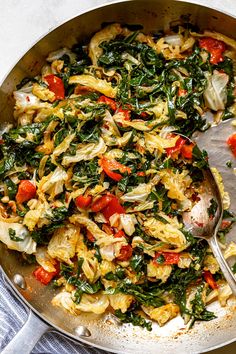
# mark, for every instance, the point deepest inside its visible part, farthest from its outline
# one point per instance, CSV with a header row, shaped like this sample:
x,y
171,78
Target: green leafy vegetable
x,y
142,293
212,208
11,188
83,287
13,237
135,319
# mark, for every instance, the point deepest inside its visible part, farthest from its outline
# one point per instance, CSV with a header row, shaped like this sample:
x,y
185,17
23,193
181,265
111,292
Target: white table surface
x,y
22,22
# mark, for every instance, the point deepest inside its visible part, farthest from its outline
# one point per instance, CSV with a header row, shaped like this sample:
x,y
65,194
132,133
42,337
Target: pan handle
x,y
28,336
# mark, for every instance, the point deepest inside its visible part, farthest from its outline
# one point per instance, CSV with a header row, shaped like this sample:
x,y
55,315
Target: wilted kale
x,y
42,235
13,237
134,318
86,172
200,158
75,67
154,72
58,214
7,162
83,287
160,195
212,208
198,311
231,219
138,264
19,145
90,132
178,283
66,270
145,293
11,188
118,275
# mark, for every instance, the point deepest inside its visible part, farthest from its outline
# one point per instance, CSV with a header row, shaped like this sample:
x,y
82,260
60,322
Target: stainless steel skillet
x,y
172,338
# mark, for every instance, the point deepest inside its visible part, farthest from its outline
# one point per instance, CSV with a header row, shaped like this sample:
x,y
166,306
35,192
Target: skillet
x,y
153,15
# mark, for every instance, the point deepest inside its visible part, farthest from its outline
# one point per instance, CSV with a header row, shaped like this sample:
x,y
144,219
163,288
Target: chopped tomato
x,y
101,203
144,115
232,143
187,151
108,101
55,84
225,224
110,165
113,207
170,257
26,191
209,279
141,173
125,253
215,47
182,92
90,236
83,202
174,151
181,146
126,113
44,276
119,233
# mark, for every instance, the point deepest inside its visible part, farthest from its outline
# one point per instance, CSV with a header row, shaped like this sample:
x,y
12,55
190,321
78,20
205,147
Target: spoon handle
x,y
228,274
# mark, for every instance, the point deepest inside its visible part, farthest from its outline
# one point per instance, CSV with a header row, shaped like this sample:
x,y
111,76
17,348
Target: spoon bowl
x,y
205,217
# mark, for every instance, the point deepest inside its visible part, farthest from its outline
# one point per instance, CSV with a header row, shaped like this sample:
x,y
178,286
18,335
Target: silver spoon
x,y
198,222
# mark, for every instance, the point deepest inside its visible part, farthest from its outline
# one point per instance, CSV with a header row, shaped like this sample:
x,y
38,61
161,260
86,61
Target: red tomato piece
x,y
26,191
119,233
174,151
141,173
126,113
113,207
232,143
209,279
83,202
55,84
182,92
90,236
108,101
44,276
170,257
144,115
215,47
109,165
225,224
125,253
187,151
101,203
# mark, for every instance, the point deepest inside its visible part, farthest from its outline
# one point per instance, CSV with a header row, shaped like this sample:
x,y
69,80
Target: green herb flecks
x,y
13,237
212,208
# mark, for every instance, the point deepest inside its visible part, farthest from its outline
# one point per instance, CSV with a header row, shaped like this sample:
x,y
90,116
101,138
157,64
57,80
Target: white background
x,y
23,22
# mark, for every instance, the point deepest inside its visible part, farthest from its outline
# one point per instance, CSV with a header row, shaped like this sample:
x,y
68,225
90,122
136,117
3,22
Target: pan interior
x,y
153,15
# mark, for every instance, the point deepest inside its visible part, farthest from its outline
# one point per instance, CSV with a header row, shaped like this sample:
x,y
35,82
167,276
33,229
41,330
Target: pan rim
x,y
72,337
93,8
